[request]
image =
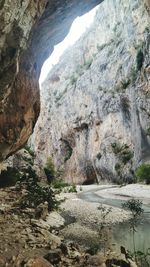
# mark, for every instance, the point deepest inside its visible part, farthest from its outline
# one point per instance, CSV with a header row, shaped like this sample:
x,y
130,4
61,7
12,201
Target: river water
x,y
121,233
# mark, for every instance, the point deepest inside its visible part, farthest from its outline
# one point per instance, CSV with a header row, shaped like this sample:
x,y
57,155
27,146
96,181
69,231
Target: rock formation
x,y
95,104
25,42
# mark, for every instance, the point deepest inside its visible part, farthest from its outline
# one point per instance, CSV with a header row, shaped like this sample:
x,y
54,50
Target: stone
x,y
41,211
54,256
100,102
2,262
25,43
38,262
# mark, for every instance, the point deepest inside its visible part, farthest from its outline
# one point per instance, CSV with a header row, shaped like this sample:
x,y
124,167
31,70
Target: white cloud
x,y
78,27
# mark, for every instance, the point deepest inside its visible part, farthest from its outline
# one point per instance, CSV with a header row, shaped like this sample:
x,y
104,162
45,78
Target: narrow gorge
x,y
74,133
95,103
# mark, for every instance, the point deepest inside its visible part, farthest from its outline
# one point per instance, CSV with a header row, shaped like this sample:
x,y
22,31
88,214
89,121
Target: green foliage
x,y
148,131
123,151
116,147
139,59
50,169
62,186
135,207
104,232
143,173
59,184
9,177
72,189
126,156
143,258
36,194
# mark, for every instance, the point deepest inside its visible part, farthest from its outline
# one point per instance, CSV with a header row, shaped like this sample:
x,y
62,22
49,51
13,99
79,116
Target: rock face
x,y
19,95
95,104
25,42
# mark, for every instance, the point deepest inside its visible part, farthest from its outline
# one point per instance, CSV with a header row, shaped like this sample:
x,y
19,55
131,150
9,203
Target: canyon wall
x,y
28,32
95,103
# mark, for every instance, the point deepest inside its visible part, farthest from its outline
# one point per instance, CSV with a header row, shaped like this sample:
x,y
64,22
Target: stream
x,y
121,233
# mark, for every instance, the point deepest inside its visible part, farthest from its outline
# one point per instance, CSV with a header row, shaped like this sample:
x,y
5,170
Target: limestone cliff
x,y
25,42
95,111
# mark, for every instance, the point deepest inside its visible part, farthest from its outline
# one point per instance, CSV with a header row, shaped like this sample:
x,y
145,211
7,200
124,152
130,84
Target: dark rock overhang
x,y
25,42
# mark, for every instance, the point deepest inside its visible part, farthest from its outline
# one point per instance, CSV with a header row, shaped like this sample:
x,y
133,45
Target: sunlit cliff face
x,y
79,26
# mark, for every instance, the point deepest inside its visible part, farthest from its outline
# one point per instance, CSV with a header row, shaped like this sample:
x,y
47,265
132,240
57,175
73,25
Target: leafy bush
x,y
63,186
35,193
49,169
116,147
126,156
123,151
148,131
143,173
59,184
9,177
135,206
72,189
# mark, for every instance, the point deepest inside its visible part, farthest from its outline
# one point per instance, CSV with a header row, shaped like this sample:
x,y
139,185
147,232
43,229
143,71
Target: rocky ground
x,y
26,240
85,220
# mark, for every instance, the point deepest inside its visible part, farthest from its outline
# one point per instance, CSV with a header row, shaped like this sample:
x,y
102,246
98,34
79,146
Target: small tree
x,y
50,170
103,233
135,207
143,173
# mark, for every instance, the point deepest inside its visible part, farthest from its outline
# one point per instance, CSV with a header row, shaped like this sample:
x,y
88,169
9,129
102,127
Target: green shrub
x,y
59,184
148,131
116,147
135,207
36,193
123,151
72,189
62,186
126,156
49,169
9,177
143,173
